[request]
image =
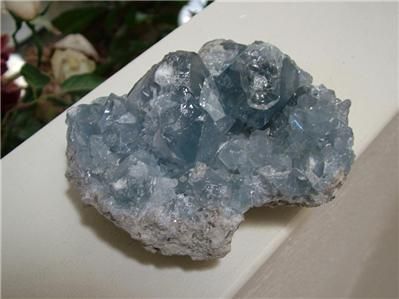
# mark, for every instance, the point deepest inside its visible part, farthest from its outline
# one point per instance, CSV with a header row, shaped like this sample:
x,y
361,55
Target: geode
x,y
202,138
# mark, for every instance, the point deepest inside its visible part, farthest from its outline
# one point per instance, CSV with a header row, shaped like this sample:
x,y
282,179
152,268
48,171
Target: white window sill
x,y
53,246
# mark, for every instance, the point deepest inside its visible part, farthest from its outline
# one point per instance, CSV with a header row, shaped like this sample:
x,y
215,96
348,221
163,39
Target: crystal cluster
x,y
202,138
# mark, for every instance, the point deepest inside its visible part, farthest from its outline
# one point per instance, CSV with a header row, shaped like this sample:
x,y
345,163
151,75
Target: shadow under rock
x,y
121,240
270,216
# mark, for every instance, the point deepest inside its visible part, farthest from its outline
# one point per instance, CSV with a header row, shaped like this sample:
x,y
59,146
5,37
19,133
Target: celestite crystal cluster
x,y
202,138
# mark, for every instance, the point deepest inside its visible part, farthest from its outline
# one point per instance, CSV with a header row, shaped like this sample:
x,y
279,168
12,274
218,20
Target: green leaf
x,y
76,20
130,17
85,82
46,8
23,125
142,17
30,127
44,21
58,102
29,96
34,76
111,21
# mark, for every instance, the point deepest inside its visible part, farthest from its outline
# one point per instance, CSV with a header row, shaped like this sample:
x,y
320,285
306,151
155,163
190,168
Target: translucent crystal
x,y
202,138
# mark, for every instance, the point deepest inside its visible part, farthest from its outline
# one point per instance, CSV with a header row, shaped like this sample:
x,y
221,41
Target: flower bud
x,y
26,10
79,43
66,63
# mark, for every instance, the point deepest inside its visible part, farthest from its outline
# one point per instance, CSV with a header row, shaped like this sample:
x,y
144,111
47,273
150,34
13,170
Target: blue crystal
x,y
259,83
202,138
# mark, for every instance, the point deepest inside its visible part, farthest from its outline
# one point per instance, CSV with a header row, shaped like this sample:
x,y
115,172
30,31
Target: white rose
x,y
66,63
79,43
26,10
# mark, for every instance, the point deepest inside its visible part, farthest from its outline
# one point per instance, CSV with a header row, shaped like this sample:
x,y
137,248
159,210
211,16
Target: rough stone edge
x,y
209,238
161,234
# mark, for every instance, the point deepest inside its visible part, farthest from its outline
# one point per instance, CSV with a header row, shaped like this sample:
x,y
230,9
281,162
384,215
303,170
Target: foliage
x,y
84,82
76,20
35,78
119,31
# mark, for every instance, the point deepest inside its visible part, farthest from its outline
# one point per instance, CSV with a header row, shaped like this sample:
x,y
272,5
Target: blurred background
x,y
53,53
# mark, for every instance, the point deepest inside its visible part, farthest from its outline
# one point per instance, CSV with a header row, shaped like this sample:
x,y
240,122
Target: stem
x,y
34,91
37,43
18,25
4,128
19,106
14,39
45,10
54,95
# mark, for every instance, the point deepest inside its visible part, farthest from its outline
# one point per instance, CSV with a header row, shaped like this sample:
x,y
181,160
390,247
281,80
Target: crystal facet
x,y
202,138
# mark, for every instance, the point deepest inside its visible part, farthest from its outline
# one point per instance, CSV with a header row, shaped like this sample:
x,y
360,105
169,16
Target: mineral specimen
x,y
202,138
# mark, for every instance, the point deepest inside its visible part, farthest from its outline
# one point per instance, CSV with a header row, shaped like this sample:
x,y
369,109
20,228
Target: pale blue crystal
x,y
202,138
